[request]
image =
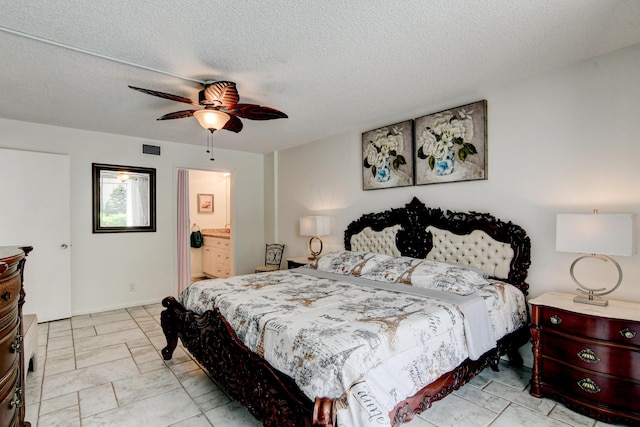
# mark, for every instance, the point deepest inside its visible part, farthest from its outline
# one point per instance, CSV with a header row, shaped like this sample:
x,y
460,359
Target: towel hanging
x,y
196,239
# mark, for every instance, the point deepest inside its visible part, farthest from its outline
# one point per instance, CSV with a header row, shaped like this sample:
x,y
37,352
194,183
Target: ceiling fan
x,y
221,108
221,97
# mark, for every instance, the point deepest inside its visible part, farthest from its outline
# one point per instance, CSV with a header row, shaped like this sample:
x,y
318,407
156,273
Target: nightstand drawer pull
x,y
555,320
587,355
6,296
627,333
588,385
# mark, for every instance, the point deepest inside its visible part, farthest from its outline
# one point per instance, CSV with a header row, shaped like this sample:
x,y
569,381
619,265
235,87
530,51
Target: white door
x,y
35,211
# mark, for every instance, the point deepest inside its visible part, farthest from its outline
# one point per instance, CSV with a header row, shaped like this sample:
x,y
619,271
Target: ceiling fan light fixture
x,y
211,119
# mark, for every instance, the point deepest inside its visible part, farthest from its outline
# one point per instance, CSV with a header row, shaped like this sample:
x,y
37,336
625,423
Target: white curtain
x,y
138,204
184,257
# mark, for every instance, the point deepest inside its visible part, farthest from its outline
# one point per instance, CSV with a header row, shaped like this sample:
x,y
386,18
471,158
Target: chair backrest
x,y
273,254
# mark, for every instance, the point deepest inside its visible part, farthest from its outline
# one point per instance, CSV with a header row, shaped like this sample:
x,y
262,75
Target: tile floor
x,y
105,369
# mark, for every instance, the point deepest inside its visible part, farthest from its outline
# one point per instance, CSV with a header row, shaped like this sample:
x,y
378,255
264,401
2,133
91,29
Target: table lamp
x,y
314,226
599,236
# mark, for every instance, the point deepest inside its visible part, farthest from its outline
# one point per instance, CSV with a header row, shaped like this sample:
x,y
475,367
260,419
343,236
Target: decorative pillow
x,y
446,277
393,270
428,274
348,262
469,267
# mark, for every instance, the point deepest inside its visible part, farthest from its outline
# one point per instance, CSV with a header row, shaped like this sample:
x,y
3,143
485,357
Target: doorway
x,y
210,196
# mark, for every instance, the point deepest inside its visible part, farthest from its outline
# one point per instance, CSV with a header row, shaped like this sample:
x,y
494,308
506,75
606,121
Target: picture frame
x,y
451,145
387,156
205,203
124,199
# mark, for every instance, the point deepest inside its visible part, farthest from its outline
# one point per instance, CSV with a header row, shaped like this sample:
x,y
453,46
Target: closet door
x,y
35,211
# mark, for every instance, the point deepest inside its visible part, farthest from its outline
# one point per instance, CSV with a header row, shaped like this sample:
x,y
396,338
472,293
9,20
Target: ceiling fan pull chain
x,y
210,145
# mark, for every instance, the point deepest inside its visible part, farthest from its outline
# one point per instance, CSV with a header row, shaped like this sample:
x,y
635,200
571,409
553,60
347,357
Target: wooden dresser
x,y
587,357
12,408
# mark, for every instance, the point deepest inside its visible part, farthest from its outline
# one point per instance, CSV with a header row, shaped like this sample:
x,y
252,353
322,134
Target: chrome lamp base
x,y
592,296
590,299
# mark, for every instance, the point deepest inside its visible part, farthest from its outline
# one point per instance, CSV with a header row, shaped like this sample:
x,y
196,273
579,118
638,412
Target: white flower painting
x,y
387,158
452,145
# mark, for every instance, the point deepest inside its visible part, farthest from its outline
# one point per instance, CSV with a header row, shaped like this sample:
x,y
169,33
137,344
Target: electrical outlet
x,y
132,287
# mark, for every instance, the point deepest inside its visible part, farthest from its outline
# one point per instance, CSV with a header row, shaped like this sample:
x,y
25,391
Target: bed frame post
x,y
169,322
324,412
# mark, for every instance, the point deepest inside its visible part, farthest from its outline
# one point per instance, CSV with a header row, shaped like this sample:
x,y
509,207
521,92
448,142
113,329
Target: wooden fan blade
x,y
220,93
234,124
165,95
256,112
177,115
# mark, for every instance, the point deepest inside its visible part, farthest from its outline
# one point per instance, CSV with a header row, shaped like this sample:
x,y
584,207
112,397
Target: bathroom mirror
x,y
124,199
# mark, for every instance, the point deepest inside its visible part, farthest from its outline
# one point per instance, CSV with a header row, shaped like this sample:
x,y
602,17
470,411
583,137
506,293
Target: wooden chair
x,y
272,258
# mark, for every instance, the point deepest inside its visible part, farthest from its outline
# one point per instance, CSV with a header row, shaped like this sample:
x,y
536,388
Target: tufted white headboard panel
x,y
476,249
381,242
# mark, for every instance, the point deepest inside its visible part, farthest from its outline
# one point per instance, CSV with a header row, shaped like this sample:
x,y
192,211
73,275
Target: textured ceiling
x,y
332,65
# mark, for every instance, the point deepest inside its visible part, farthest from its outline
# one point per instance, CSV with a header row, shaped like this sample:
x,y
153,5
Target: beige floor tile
x,y
58,403
69,417
161,410
106,354
132,389
97,399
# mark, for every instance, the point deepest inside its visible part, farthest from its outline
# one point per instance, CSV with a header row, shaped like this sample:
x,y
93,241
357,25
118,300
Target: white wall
x,y
103,265
564,141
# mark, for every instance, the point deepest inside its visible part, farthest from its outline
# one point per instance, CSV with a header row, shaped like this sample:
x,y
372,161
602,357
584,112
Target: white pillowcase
x,y
428,274
348,262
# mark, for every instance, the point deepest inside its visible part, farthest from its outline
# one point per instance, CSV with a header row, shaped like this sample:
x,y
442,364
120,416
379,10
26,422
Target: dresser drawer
x,y
592,355
614,330
8,347
9,294
8,397
221,243
590,386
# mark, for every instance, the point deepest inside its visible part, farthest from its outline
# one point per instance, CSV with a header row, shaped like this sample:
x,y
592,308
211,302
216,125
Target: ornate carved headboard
x,y
501,249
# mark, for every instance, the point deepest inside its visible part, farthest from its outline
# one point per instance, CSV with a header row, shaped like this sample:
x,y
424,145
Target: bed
x,y
281,366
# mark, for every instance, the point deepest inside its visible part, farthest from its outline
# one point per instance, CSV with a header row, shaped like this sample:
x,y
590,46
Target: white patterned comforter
x,y
367,348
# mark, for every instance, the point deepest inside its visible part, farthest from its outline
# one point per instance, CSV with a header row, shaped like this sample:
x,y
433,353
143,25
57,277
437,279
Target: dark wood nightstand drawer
x,y
614,330
592,355
590,386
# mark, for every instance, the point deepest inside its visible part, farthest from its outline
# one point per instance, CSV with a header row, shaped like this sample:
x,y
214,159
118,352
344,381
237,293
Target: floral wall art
x,y
452,145
387,156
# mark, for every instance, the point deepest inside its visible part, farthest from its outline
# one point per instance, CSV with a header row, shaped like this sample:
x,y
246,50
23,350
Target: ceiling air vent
x,y
150,149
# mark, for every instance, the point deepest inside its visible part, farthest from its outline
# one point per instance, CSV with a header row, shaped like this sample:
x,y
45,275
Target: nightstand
x,y
587,357
298,262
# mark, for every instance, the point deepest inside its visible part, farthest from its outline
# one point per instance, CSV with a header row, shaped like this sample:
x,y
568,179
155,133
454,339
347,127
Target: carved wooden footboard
x,y
269,395
273,397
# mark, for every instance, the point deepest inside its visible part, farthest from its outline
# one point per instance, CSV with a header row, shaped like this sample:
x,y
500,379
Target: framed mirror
x,y
124,199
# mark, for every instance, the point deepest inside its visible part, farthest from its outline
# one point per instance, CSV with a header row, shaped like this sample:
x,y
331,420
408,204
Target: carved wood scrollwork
x,y
413,240
269,395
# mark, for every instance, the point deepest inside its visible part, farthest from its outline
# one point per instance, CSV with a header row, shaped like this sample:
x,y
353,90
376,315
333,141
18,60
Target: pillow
x,y
393,270
442,276
428,274
348,262
469,267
